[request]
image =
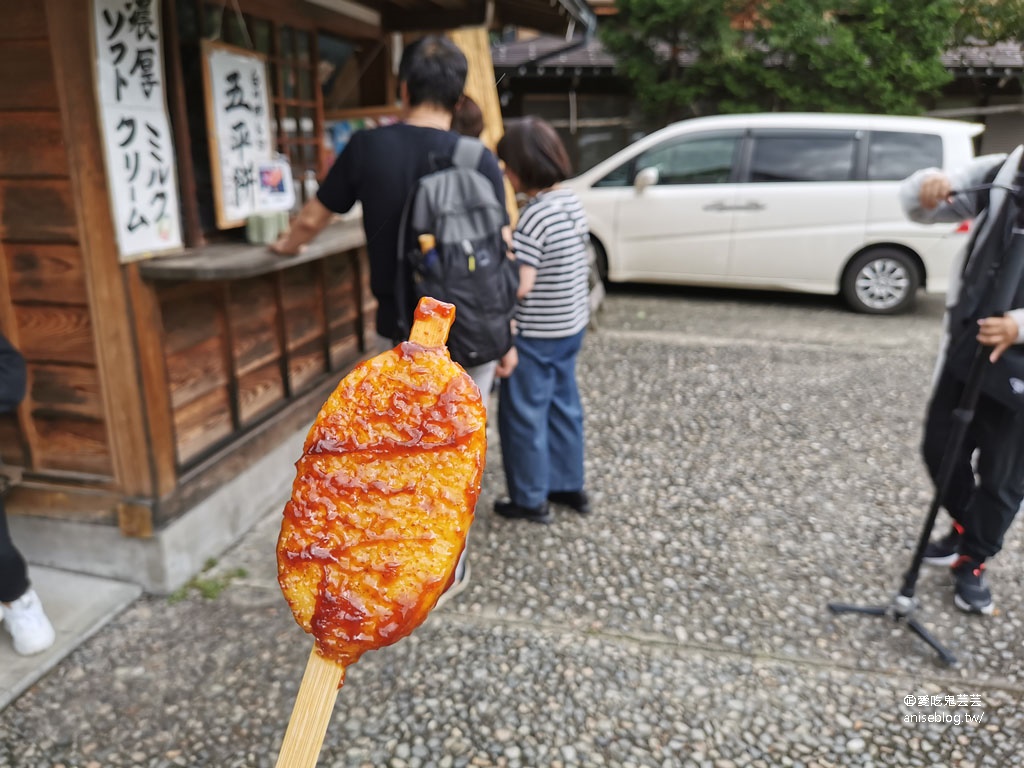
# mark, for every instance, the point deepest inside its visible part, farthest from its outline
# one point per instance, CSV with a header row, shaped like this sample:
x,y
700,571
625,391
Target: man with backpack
x,y
406,176
382,168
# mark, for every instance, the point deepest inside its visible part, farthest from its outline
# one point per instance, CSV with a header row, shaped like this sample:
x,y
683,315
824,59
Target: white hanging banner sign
x,y
138,144
239,130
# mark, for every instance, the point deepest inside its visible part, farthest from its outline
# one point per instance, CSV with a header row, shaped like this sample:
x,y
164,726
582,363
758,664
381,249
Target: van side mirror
x,y
646,178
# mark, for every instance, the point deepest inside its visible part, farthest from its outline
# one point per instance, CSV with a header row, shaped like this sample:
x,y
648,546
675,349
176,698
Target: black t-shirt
x,y
379,168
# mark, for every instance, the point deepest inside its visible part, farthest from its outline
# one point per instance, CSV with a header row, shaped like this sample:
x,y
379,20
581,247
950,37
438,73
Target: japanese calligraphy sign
x,y
139,147
238,126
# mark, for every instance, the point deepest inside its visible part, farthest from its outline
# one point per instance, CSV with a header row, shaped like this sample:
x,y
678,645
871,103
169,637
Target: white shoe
x,y
27,624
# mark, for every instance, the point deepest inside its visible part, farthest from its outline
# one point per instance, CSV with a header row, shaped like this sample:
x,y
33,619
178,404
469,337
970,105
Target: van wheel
x,y
882,281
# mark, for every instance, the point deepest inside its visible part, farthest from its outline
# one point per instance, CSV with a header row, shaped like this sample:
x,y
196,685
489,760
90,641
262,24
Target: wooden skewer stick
x,y
431,323
312,712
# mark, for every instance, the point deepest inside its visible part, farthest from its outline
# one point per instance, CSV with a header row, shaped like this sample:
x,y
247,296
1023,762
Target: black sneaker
x,y
575,500
972,593
946,550
540,514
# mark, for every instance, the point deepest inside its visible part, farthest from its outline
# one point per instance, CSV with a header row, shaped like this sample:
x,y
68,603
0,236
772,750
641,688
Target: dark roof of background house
x,y
551,16
549,52
1000,58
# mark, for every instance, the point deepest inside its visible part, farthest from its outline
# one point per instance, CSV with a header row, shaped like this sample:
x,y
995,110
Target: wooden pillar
x,y
124,402
481,87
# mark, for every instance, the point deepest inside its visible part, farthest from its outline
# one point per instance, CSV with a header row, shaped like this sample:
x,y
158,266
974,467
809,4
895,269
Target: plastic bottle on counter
x,y
310,186
428,247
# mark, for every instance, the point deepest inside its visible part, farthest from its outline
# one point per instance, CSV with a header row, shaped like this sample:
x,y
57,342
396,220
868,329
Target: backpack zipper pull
x,y
467,247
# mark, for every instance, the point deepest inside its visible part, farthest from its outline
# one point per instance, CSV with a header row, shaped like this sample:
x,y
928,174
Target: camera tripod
x,y
904,604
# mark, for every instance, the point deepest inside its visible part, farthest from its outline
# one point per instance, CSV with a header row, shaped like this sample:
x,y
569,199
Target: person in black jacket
x,y
986,486
23,614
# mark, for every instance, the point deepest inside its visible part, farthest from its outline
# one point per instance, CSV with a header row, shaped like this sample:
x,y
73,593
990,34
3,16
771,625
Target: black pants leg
x,y
987,506
13,571
937,426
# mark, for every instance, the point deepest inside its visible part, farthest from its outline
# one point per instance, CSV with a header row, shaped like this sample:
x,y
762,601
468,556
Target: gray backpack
x,y
467,264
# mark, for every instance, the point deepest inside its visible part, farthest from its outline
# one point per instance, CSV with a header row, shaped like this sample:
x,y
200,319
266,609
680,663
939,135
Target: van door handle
x,y
748,206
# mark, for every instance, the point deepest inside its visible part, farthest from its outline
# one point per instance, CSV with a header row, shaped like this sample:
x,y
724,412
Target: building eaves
x,y
547,52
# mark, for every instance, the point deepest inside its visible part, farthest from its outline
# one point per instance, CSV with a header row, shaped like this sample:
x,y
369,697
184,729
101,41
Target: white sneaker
x,y
27,624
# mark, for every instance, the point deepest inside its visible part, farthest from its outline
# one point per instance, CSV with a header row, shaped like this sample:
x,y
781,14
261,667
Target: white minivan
x,y
785,201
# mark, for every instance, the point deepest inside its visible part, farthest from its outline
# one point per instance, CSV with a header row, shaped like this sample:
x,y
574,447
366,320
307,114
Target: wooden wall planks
x,y
45,296
55,334
32,144
12,448
28,81
37,210
77,445
201,424
238,352
64,389
46,273
23,21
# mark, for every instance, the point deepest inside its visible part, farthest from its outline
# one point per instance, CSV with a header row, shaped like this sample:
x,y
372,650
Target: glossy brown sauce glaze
x,y
382,501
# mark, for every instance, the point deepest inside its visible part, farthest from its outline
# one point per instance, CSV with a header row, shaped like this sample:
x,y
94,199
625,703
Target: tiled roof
x,y
548,51
1001,58
551,52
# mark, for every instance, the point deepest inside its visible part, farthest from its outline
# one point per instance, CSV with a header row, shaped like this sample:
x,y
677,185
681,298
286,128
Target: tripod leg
x,y
923,633
870,610
962,417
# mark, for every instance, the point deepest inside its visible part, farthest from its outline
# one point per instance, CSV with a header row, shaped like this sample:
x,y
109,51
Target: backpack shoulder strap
x,y
468,152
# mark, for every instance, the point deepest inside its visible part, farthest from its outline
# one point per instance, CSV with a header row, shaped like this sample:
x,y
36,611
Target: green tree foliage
x,y
675,52
989,20
686,57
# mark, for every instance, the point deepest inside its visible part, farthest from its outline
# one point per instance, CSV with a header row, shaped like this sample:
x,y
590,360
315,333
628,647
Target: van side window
x,y
617,178
699,160
893,155
803,157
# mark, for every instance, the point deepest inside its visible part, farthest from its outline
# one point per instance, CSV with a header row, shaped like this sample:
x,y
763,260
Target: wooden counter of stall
x,y
249,344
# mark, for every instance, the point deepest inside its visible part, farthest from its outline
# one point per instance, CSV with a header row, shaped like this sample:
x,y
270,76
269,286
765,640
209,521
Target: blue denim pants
x,y
540,421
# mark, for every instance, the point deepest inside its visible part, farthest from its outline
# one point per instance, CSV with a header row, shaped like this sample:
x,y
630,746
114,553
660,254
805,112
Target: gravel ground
x,y
751,457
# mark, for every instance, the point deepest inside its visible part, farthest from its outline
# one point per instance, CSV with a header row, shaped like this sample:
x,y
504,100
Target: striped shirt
x,y
551,236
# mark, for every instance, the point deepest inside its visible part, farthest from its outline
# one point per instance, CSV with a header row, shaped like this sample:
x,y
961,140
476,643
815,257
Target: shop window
x,y
339,72
309,71
296,120
296,104
354,76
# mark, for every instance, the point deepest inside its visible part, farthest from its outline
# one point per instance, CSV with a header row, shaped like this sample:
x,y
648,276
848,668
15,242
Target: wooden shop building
x,y
174,365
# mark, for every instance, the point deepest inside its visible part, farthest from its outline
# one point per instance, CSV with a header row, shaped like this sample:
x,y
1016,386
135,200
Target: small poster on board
x,y
276,191
138,145
239,130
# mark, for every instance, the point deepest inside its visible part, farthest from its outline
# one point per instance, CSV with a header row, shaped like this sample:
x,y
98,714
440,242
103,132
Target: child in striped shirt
x,y
540,417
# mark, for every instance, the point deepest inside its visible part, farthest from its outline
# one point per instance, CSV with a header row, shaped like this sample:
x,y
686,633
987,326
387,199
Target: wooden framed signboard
x,y
238,129
138,145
